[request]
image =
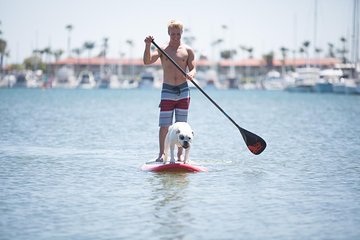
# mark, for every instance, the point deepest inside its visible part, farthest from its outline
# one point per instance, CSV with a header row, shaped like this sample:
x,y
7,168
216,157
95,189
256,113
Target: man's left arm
x,y
191,64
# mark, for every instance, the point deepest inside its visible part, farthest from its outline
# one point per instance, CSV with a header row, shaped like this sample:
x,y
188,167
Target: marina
x,y
332,78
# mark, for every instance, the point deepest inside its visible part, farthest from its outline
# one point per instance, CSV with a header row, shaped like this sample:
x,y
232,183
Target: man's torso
x,y
172,75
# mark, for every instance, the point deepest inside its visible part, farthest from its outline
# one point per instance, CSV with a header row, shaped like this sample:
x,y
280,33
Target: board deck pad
x,y
172,167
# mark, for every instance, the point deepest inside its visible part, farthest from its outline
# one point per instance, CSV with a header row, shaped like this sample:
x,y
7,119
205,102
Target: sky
x,y
264,25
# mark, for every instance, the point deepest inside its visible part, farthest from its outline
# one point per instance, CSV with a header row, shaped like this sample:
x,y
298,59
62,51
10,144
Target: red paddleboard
x,y
172,167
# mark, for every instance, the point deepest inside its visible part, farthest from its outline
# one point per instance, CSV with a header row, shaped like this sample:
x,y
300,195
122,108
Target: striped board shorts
x,y
174,99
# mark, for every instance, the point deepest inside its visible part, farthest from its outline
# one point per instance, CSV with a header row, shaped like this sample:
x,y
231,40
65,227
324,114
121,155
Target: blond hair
x,y
175,24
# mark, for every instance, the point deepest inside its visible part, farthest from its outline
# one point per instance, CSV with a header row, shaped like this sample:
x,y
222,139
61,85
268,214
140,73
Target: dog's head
x,y
185,137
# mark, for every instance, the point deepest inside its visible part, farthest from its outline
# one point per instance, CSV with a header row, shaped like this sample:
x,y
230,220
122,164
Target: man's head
x,y
175,30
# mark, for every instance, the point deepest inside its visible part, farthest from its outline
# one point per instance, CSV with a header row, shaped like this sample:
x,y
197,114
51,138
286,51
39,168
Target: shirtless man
x,y
175,94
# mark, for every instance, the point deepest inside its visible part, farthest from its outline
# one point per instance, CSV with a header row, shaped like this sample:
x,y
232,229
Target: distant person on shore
x,y
175,93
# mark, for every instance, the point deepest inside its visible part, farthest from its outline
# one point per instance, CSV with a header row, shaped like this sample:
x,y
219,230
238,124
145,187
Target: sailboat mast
x,y
355,37
315,26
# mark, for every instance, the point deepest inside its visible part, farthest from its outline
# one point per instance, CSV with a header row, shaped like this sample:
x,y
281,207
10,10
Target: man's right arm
x,y
149,57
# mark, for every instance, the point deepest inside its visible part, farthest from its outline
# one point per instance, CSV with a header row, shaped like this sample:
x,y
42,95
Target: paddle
x,y
254,143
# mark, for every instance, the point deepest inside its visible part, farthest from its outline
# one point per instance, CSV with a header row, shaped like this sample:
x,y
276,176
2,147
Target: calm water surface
x,y
69,167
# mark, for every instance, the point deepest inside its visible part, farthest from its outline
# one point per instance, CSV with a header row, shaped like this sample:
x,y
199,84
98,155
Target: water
x,y
69,167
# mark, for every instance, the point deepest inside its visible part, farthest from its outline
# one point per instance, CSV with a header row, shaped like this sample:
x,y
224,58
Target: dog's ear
x,y
177,131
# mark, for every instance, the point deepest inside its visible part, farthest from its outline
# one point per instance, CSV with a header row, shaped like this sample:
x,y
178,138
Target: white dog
x,y
180,134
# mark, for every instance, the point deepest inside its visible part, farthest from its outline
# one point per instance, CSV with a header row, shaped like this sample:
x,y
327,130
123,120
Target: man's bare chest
x,y
179,55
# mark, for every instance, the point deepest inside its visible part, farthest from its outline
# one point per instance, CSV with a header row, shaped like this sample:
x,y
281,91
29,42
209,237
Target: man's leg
x,y
162,135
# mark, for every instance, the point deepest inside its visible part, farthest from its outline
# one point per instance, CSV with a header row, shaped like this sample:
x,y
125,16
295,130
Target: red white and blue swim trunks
x,y
174,99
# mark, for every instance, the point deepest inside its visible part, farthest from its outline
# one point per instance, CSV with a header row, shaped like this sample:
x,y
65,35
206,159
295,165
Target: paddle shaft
x,y
197,86
254,143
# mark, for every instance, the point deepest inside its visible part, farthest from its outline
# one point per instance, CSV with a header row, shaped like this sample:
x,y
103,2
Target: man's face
x,y
175,34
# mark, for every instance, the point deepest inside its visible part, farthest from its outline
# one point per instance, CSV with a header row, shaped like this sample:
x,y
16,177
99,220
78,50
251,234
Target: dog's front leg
x,y
186,158
172,154
166,151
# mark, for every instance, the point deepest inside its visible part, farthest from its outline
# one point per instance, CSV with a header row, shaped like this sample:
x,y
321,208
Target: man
x,y
175,94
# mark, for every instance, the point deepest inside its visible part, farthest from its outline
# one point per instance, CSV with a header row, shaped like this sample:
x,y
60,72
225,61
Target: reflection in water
x,y
169,198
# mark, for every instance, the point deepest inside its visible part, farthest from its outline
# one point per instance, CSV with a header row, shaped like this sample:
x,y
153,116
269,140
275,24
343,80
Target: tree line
x,y
40,57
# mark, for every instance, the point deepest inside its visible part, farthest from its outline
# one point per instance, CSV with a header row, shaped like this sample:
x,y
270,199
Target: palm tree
x,y
47,51
318,51
343,51
57,54
243,48
78,52
250,51
105,46
69,27
131,45
2,53
102,54
306,45
228,54
188,37
331,50
213,45
284,52
302,51
269,60
37,58
89,46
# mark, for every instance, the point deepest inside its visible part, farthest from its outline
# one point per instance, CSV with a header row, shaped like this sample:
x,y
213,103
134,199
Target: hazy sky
x,y
264,25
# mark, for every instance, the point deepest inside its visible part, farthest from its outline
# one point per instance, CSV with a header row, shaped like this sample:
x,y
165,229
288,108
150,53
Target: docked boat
x,y
149,79
104,82
327,79
351,86
21,81
86,80
305,80
273,81
65,78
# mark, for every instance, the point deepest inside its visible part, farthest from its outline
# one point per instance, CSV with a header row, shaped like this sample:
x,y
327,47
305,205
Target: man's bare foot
x,y
160,158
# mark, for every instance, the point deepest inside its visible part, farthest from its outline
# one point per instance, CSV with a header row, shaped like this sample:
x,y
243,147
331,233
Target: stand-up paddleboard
x,y
172,167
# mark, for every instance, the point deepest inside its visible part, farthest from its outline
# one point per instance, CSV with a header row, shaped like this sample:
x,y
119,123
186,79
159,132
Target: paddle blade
x,y
255,144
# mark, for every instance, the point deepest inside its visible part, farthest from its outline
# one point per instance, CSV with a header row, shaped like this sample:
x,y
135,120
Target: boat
x,y
150,78
64,78
339,87
104,82
21,81
146,80
327,79
351,86
8,81
305,80
347,83
86,80
129,84
273,81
